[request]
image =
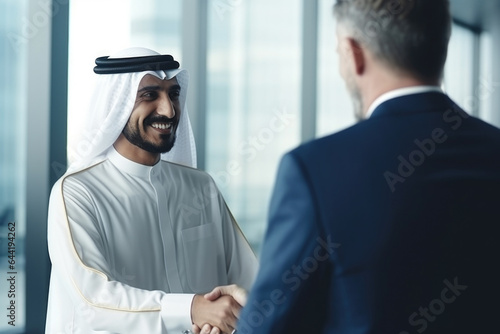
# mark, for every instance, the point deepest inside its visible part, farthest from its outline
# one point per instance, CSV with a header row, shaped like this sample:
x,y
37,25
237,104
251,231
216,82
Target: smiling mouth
x,y
162,127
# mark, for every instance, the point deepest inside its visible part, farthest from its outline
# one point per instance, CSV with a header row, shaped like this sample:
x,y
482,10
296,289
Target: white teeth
x,y
161,126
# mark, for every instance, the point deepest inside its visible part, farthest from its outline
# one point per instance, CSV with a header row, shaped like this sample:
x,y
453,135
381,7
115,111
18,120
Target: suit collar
x,y
414,103
401,92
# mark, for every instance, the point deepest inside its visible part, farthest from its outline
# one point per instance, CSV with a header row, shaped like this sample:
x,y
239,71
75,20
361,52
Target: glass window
x,y
335,110
12,135
459,69
253,101
487,87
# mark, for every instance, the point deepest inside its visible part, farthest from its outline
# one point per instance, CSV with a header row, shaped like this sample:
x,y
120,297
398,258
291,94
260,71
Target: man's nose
x,y
165,107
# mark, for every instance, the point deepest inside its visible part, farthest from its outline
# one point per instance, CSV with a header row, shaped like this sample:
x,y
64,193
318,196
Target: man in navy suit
x,y
388,226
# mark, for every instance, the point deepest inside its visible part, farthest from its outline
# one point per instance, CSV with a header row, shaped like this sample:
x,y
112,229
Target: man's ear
x,y
357,56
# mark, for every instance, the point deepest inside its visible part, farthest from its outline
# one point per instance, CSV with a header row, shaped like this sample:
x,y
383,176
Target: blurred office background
x,y
263,78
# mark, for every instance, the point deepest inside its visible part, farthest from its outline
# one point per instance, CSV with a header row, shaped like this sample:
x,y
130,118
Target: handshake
x,y
217,312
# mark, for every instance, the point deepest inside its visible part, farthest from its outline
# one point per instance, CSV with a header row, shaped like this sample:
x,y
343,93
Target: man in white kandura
x,y
136,234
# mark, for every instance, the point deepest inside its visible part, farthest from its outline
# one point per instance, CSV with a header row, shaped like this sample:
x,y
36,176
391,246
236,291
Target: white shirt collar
x,y
129,166
400,92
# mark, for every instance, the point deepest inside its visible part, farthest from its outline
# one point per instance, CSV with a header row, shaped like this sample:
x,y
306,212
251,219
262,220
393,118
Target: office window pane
x,y
335,110
254,74
100,27
13,53
484,93
459,69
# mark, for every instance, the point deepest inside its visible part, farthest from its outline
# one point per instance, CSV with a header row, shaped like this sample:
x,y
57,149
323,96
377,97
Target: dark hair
x,y
409,35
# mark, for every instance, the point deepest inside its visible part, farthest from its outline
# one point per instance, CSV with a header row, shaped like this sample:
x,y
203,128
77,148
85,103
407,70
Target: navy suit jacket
x,y
389,227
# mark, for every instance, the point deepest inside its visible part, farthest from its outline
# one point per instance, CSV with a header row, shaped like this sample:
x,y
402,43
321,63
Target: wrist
x,y
194,307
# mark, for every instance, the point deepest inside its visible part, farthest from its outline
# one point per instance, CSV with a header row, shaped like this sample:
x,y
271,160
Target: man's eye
x,y
175,95
149,95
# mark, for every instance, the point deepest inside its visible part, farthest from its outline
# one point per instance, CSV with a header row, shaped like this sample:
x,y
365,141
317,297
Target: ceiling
x,y
476,13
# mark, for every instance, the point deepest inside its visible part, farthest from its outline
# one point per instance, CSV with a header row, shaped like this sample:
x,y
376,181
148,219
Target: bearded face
x,y
154,120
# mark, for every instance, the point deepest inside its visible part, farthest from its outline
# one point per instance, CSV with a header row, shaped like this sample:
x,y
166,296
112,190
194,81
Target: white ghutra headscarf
x,y
110,109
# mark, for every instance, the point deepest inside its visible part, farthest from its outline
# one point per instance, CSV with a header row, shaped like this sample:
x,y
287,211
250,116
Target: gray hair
x,y
409,35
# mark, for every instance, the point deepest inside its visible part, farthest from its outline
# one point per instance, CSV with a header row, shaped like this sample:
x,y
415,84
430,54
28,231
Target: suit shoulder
x,y
490,128
339,141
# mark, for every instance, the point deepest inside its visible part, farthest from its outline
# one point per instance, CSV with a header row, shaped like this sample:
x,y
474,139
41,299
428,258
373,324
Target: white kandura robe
x,y
130,245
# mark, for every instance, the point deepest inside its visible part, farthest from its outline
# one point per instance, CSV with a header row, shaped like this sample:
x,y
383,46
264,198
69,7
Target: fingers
x,y
195,329
239,294
207,329
228,308
236,312
215,330
214,294
221,314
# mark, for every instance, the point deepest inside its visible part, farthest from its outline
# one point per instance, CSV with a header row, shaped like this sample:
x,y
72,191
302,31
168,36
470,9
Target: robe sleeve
x,y
79,265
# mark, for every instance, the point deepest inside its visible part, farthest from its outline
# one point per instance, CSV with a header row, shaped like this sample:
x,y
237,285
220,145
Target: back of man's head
x,y
407,35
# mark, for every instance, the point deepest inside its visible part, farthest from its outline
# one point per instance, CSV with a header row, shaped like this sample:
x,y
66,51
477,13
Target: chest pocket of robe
x,y
203,260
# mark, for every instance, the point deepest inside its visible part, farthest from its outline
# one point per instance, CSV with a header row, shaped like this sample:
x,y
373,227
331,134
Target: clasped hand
x,y
218,311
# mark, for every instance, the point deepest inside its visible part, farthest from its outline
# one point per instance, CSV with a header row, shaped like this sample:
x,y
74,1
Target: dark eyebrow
x,y
175,87
146,88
